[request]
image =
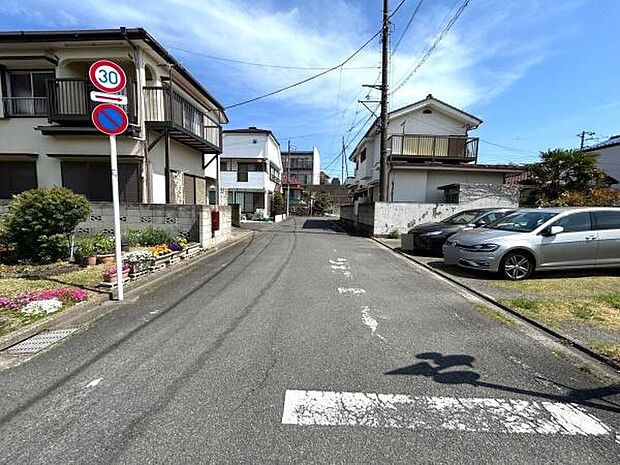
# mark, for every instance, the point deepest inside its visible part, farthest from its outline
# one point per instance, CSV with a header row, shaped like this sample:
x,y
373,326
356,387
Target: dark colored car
x,y
430,237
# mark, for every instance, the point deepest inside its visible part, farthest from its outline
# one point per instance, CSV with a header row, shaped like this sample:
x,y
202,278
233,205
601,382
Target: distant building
x,y
305,166
250,168
609,158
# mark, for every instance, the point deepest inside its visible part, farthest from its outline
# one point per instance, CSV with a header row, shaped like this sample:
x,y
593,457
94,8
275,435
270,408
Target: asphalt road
x,y
207,368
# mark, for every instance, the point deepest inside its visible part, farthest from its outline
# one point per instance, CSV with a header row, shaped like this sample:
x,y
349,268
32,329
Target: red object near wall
x,y
215,221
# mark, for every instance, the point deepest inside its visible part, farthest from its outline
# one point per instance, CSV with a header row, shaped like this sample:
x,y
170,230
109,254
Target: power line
x,y
506,147
411,18
432,48
263,65
315,76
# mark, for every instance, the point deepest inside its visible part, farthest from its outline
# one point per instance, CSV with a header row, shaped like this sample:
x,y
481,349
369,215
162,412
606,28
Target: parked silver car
x,y
540,239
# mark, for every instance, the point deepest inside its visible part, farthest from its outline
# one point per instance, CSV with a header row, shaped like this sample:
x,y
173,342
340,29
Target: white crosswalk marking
x,y
515,416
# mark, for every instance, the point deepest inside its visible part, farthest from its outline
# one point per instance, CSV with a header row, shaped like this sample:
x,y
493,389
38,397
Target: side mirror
x,y
553,230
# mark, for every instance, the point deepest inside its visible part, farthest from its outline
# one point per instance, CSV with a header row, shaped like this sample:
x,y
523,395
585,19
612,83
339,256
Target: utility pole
x,y
288,177
582,135
342,162
383,121
344,155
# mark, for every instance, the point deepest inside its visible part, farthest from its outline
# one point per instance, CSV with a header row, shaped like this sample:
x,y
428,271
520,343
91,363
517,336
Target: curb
x,y
561,338
101,304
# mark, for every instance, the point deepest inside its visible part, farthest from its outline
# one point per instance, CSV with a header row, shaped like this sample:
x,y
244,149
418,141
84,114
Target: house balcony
x,y
291,180
449,149
69,103
167,110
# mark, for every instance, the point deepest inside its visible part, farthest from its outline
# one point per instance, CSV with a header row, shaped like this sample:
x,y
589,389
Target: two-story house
x,y
47,137
250,168
303,166
430,153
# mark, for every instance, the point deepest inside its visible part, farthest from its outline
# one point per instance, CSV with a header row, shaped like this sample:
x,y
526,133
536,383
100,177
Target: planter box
x,y
139,268
108,258
112,279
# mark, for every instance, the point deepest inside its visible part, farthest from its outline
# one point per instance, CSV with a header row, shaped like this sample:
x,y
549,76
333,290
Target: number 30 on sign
x,y
107,76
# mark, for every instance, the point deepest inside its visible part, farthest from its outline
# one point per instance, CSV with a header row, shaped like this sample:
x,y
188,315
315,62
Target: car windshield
x,y
521,222
465,217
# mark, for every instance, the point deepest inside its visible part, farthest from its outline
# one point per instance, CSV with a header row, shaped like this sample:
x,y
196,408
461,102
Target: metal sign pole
x,y
117,219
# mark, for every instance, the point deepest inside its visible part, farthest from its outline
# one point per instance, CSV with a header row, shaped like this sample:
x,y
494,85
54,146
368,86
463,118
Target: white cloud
x,y
492,46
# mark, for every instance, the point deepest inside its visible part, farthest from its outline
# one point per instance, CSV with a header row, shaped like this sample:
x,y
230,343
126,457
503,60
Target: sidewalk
x,y
581,306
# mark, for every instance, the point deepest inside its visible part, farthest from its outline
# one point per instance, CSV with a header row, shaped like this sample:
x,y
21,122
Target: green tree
x,y
568,177
40,222
323,203
277,203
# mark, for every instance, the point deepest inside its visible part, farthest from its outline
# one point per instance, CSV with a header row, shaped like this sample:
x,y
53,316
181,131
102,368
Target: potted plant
x,y
109,274
104,246
86,253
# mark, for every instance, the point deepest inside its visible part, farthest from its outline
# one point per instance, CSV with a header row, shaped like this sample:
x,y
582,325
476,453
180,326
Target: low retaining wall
x,y
190,221
382,218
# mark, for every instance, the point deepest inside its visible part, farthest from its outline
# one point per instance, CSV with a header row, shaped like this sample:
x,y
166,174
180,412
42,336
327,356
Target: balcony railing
x,y
69,101
297,164
292,179
436,148
163,104
24,106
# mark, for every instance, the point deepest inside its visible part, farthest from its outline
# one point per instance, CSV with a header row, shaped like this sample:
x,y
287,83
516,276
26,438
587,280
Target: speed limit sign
x,y
107,76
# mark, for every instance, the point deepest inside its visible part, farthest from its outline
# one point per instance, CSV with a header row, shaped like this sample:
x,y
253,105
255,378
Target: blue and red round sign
x,y
110,119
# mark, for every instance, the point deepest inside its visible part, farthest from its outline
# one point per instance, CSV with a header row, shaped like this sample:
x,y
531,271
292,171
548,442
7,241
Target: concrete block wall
x,y
180,220
190,221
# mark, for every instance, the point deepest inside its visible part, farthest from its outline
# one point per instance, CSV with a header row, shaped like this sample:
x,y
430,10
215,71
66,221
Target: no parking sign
x,y
110,119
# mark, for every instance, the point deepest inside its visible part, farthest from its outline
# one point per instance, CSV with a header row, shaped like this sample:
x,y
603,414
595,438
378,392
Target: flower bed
x,y
43,302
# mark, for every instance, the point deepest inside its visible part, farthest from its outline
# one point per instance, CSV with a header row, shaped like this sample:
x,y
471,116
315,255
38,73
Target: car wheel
x,y
517,266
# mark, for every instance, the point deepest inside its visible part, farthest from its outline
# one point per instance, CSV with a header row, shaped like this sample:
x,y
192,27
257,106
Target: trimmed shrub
x,y
40,222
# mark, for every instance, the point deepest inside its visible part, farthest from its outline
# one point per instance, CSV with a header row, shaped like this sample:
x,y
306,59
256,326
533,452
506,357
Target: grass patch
x,y
394,234
559,312
85,277
521,302
611,350
612,299
566,286
494,314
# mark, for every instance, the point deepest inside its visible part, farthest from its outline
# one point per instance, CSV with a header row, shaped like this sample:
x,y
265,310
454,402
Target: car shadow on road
x,y
458,369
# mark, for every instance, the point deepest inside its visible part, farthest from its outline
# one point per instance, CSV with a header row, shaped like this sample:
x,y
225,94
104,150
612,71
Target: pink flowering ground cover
x,y
11,316
66,295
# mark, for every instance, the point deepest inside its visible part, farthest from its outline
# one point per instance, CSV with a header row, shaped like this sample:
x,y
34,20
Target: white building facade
x,y
609,158
251,169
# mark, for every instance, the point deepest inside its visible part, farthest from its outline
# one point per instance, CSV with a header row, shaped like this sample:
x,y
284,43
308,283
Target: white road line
x,y
338,261
476,415
340,267
351,290
371,322
94,382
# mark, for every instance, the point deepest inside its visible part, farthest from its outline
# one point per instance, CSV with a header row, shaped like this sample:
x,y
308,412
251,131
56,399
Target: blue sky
x,y
536,71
